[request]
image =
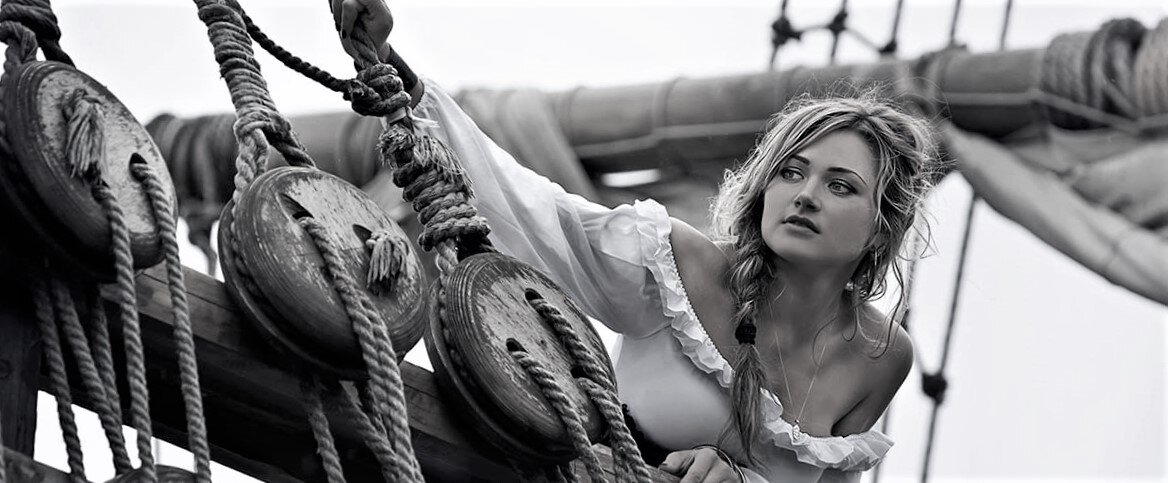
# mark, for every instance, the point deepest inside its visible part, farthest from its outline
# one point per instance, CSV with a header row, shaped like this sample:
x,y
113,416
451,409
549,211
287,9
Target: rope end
x,y
385,261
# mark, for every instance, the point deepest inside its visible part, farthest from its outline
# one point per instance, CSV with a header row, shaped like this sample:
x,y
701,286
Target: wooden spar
x,y
255,419
717,119
683,121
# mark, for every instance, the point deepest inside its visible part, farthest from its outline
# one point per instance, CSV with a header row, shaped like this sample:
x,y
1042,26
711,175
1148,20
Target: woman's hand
x,y
373,15
700,465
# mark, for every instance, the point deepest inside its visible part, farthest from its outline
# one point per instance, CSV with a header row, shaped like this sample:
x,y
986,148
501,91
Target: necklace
x,y
790,395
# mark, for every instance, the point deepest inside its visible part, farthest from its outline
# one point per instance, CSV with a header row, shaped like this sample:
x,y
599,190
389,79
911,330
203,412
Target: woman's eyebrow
x,y
833,169
838,169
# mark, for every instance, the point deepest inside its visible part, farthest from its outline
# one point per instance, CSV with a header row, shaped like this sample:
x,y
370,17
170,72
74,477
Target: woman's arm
x,y
592,252
595,253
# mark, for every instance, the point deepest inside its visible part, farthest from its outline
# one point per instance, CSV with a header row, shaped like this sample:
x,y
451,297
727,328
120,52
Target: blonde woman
x,y
751,353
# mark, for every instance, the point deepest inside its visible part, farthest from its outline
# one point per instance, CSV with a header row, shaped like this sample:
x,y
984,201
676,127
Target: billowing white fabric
x,y
618,265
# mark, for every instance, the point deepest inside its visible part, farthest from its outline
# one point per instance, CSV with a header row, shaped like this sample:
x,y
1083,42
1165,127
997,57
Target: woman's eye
x,y
791,174
840,187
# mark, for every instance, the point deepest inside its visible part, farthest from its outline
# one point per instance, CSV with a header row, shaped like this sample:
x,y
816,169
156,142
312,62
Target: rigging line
x,y
939,374
953,24
890,48
1005,24
837,27
781,33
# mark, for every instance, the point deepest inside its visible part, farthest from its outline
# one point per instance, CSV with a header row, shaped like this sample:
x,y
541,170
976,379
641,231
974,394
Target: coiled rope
x,y
382,422
1113,77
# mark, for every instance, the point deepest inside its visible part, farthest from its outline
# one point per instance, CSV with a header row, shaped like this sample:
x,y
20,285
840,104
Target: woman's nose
x,y
806,200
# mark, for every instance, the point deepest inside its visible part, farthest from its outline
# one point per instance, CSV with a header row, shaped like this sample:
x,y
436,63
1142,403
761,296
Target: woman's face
x,y
819,209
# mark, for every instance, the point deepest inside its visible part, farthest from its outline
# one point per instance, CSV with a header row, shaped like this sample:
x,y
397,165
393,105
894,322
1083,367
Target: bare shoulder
x,y
693,248
891,349
703,265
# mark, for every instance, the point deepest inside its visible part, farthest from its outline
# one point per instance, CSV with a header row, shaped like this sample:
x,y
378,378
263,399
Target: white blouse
x,y
618,265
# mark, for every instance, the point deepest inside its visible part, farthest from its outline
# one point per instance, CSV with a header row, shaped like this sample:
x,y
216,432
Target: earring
x,y
850,286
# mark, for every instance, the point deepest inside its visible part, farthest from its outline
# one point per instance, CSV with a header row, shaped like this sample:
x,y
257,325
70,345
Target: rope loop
x,y
36,16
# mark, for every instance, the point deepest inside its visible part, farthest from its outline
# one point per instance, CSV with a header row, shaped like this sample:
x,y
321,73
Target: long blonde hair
x,y
906,158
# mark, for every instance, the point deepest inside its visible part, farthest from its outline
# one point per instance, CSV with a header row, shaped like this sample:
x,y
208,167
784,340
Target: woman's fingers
x,y
677,462
702,462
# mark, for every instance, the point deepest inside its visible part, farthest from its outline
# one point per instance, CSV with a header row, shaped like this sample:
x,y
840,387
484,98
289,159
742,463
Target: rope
x,y
598,384
103,353
59,380
386,386
183,332
310,388
36,16
1151,69
259,126
837,26
386,259
889,49
562,406
126,298
781,32
934,384
953,23
375,438
87,369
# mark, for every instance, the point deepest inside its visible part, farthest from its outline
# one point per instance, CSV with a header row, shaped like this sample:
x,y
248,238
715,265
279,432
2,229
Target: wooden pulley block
x,y
166,474
486,312
58,210
274,270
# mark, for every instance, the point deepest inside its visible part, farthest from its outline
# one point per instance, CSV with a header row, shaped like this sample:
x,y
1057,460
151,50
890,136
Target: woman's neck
x,y
800,302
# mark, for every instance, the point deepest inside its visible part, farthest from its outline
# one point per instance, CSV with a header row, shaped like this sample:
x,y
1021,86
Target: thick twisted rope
x,y
91,380
37,17
372,432
102,352
59,380
126,298
386,386
310,388
1151,71
1111,77
560,403
598,384
259,125
183,333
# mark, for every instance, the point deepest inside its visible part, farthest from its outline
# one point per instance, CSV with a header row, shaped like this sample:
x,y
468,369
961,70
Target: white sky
x,y
1055,374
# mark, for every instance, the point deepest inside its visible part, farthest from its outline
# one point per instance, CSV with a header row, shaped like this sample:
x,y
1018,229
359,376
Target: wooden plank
x,y
20,362
255,419
23,469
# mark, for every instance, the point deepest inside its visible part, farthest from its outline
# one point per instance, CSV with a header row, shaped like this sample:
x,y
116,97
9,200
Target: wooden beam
x,y
21,468
20,362
255,418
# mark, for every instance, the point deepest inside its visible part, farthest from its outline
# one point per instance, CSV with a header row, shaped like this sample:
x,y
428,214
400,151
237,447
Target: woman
x,y
752,354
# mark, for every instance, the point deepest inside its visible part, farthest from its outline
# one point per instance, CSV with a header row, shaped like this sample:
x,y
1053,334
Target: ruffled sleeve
x,y
857,452
592,252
